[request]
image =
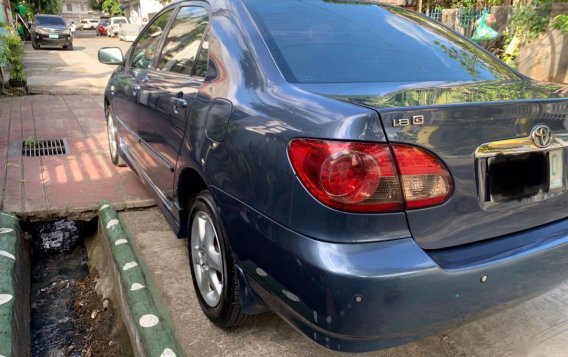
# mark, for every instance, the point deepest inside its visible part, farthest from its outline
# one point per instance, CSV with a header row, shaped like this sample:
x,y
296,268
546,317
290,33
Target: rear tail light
x,y
425,180
362,177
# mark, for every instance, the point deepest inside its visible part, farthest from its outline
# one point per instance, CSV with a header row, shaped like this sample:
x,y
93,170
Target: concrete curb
x,y
14,289
150,333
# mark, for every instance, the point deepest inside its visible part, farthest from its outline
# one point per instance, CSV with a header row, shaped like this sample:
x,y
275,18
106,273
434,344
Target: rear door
x,y
167,96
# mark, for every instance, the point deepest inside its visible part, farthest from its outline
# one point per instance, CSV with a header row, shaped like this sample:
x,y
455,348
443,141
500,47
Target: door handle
x,y
178,102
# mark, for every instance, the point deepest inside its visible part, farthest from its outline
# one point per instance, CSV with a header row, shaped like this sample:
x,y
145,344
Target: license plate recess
x,y
521,176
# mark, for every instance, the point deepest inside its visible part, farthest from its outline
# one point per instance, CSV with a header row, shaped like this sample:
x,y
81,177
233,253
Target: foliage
x,y
464,3
112,7
96,5
32,143
530,20
50,7
560,22
13,55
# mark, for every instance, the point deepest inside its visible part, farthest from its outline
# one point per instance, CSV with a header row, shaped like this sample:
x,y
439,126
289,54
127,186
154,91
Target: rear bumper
x,y
367,296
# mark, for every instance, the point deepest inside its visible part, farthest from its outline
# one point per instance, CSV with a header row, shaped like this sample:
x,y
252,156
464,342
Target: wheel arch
x,y
106,106
189,184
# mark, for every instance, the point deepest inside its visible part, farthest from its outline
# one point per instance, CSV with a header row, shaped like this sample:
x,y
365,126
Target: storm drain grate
x,y
44,147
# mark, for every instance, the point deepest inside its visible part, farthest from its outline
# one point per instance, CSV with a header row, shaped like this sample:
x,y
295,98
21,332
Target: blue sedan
x,y
359,169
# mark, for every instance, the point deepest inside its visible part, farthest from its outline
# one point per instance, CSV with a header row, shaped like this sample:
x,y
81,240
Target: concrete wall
x,y
546,59
80,10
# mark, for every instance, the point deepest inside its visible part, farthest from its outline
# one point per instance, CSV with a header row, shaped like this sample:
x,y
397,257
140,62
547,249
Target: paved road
x,y
58,71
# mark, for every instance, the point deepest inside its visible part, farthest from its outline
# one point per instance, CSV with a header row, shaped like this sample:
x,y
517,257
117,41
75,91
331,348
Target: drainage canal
x,y
68,317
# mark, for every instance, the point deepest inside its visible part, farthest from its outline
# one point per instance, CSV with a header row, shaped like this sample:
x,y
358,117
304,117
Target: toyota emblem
x,y
541,135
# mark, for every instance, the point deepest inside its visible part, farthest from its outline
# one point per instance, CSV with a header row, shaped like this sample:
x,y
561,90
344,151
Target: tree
x,y
46,6
112,7
96,5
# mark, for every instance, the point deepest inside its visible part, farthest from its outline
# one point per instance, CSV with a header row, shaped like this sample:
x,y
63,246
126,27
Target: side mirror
x,y
111,55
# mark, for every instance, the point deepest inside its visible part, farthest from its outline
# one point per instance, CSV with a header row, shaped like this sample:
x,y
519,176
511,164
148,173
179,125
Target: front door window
x,y
144,52
184,40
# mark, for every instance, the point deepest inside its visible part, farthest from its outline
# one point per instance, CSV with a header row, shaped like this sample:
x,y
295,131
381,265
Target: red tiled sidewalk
x,y
67,185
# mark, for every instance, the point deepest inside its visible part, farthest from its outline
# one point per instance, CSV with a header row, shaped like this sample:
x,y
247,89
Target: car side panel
x,y
251,163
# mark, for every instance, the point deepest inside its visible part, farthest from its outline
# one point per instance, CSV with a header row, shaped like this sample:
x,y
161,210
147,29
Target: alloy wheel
x,y
207,258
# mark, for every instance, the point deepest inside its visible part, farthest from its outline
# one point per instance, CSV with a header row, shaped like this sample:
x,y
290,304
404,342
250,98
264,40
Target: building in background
x,y
77,10
136,10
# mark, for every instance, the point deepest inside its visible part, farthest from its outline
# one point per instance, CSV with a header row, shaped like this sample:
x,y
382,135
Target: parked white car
x,y
114,25
88,24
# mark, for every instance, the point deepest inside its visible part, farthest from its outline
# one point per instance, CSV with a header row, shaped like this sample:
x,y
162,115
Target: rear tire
x,y
212,267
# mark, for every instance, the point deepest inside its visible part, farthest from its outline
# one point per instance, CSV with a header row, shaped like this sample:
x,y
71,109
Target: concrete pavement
x,y
68,185
58,71
538,327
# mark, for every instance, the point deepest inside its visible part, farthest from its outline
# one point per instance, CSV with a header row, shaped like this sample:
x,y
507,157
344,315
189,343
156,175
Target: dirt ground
x,y
98,317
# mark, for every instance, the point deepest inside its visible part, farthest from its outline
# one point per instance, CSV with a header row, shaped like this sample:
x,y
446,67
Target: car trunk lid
x,y
503,181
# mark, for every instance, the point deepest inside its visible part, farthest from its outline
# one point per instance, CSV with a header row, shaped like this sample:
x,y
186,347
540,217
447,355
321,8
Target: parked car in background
x,y
128,32
114,25
88,24
50,30
101,29
365,172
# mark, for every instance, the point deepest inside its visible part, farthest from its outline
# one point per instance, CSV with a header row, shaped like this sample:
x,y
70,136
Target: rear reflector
x,y
362,177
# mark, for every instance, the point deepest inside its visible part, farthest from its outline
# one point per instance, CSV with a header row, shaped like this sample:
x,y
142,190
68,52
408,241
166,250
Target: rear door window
x,y
145,50
336,41
183,46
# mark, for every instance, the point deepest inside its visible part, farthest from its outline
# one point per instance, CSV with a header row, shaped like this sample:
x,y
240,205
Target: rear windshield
x,y
119,21
49,21
325,41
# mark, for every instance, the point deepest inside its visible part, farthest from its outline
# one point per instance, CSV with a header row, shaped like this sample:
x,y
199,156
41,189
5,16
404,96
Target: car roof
x,y
45,15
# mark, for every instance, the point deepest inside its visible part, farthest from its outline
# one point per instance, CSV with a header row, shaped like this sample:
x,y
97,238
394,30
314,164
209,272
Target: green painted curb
x,y
9,232
152,331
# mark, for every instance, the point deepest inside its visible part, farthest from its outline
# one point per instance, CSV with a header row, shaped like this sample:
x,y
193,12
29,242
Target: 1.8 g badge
x,y
415,120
